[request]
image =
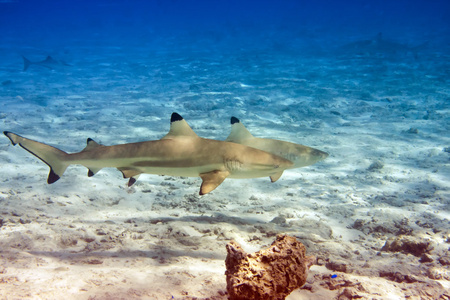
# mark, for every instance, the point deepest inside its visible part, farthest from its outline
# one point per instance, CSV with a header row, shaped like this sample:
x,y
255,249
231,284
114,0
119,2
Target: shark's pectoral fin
x,y
211,180
276,176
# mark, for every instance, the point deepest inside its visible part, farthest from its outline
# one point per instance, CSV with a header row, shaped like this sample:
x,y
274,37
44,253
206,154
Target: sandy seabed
x,y
384,121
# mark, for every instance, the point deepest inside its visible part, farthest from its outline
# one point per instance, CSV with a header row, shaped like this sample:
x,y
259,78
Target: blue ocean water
x,y
366,81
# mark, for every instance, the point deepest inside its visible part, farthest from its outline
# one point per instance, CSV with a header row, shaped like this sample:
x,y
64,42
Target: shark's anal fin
x,y
211,180
276,176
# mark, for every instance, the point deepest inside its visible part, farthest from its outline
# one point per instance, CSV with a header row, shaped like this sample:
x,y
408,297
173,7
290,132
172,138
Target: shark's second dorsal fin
x,y
179,127
91,144
238,131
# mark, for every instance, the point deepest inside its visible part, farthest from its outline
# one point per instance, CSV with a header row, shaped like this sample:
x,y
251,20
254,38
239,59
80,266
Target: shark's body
x,y
379,46
180,153
49,63
299,155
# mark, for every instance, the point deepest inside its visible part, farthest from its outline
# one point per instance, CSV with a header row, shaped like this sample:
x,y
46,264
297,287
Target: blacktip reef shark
x,y
381,46
180,153
299,155
49,63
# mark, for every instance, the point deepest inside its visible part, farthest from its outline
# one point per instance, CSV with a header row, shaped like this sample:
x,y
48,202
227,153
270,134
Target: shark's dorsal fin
x,y
179,127
238,131
91,144
49,59
211,180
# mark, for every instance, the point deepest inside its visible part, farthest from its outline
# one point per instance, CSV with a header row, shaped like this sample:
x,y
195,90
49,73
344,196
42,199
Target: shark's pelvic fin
x,y
238,132
130,173
132,180
211,180
54,158
179,127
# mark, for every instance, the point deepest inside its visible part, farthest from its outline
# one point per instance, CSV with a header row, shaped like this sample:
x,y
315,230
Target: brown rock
x,y
270,274
338,266
408,244
444,260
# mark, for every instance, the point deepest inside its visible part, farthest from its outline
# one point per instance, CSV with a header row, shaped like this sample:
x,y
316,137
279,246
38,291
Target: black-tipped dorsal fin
x,y
238,131
91,144
179,127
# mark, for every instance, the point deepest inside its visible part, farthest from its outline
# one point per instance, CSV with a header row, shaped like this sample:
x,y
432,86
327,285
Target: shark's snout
x,y
320,154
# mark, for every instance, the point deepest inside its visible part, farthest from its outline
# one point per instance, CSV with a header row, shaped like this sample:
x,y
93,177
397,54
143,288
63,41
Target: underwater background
x,y
366,81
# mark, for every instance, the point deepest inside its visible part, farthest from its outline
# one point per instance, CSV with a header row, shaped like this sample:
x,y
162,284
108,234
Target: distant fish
x,y
299,155
49,63
381,46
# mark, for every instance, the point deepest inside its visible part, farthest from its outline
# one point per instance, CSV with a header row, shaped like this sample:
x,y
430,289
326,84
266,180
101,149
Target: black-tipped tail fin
x,y
53,157
26,63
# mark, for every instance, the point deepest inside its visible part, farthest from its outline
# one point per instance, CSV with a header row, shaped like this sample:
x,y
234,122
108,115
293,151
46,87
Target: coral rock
x,y
408,244
270,274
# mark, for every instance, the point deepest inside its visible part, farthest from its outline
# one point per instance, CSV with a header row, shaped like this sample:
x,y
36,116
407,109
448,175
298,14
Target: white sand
x,y
94,238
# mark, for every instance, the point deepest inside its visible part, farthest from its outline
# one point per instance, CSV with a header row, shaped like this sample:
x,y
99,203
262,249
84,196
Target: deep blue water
x,y
139,21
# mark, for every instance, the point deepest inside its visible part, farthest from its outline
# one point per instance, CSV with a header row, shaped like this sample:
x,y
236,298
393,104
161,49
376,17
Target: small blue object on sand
x,y
333,276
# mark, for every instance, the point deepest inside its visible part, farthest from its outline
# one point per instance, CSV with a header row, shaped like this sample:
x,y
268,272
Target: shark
x,y
299,155
379,46
181,152
49,63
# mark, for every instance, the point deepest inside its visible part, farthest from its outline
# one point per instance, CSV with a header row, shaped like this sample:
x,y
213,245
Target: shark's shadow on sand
x,y
179,245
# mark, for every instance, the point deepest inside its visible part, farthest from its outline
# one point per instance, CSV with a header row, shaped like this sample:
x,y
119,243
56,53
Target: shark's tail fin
x,y
26,63
54,158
